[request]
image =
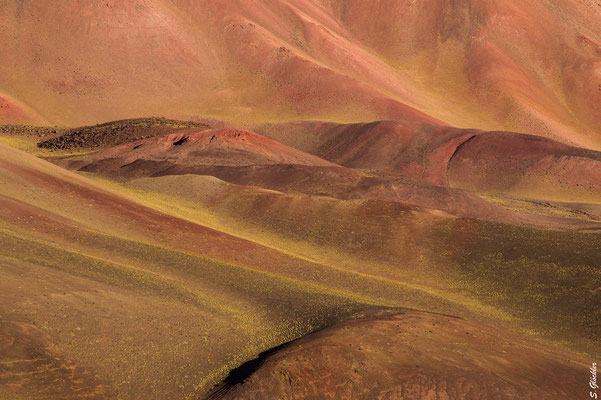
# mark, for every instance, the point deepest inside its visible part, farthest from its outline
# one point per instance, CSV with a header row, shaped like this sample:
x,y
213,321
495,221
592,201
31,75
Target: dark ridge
x,y
42,132
455,153
117,132
240,374
181,141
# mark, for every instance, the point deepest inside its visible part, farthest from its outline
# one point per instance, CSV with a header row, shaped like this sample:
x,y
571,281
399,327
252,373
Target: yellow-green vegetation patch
x,y
549,279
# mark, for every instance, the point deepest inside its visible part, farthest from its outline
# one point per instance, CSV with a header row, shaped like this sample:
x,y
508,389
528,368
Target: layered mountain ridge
x,y
530,66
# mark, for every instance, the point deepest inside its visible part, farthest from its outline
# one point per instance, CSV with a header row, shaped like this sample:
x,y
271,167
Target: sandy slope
x,y
122,292
529,66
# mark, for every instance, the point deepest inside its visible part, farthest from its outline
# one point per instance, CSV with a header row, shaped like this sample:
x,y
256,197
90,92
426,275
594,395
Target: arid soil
x,y
529,66
336,199
116,133
446,169
413,355
119,282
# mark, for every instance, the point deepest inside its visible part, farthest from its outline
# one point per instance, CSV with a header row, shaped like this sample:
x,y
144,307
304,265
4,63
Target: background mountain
x,y
530,66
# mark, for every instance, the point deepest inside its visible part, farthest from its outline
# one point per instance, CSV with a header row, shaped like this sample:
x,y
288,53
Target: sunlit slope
x,y
100,279
138,318
356,225
67,196
497,271
93,62
528,66
111,297
14,112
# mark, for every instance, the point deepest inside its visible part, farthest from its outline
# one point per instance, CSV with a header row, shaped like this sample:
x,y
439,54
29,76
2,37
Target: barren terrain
x,y
299,199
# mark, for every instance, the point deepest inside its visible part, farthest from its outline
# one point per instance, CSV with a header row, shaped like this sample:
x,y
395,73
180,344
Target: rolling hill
x,y
132,277
258,199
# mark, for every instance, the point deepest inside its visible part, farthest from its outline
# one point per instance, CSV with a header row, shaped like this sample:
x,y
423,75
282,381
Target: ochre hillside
x,y
157,278
299,199
531,66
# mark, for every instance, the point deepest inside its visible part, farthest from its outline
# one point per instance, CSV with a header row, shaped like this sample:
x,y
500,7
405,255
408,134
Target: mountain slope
x,y
105,297
111,291
449,62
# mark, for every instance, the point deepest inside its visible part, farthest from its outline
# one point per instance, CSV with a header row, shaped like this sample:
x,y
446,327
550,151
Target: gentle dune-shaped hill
x,y
364,233
394,243
526,166
409,355
482,162
89,277
396,161
418,151
529,66
246,158
208,148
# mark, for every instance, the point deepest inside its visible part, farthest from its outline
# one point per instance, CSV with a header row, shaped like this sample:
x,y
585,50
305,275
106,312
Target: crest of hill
x,y
419,151
506,163
117,132
502,163
222,147
387,357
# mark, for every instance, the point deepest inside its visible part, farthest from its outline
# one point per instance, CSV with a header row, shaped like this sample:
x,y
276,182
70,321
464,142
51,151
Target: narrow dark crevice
x,y
240,374
457,149
181,141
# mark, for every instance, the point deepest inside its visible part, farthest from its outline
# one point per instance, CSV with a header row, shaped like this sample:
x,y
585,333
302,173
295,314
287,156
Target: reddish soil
x,y
142,222
423,165
26,353
531,66
526,166
416,151
211,147
501,163
413,355
116,288
184,249
12,112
